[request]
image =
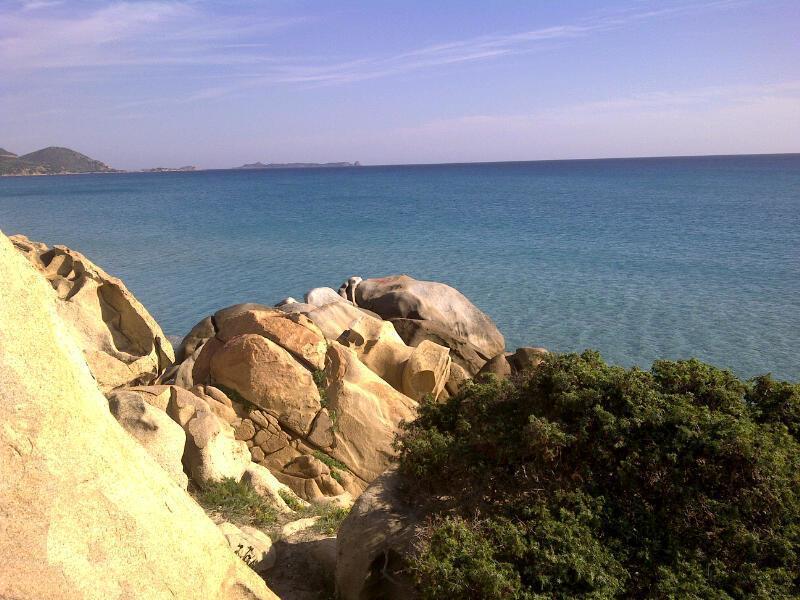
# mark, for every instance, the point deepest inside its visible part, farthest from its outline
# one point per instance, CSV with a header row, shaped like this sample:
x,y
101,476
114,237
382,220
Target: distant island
x,y
169,169
50,161
260,165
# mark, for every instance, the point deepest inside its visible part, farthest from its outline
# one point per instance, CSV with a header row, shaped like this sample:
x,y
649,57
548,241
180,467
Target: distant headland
x,y
55,160
260,165
50,161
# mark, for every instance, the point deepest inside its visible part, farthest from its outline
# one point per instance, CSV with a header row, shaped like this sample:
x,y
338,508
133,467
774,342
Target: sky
x,y
218,83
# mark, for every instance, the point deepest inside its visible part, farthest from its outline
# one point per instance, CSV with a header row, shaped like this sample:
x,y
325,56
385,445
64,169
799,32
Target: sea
x,y
641,259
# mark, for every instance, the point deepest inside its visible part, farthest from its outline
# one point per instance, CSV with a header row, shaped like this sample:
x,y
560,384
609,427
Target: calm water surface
x,y
640,259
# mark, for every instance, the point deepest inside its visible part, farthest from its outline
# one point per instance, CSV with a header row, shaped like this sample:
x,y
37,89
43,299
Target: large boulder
x,y
162,437
374,540
456,322
293,332
416,372
268,376
212,451
122,343
85,510
367,410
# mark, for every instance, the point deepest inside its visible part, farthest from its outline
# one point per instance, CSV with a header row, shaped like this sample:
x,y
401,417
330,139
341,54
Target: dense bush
x,y
591,481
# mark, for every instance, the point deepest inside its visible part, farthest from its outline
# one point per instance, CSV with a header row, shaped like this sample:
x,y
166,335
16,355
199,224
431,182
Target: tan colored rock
x,y
403,297
497,366
122,343
295,527
269,435
254,547
426,372
321,434
526,358
155,395
295,333
309,478
268,376
162,437
184,375
85,511
201,367
245,430
267,486
368,412
212,452
198,336
321,296
337,317
374,541
416,372
458,377
462,352
223,409
183,405
275,461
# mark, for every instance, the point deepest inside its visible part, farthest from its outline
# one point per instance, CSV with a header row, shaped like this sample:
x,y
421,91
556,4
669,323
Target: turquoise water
x,y
640,259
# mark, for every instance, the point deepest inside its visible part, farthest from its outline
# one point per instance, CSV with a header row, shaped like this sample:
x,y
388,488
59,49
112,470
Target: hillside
x,y
49,161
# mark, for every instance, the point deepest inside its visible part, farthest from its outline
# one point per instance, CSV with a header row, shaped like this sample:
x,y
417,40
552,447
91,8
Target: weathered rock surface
x,y
497,366
403,297
212,452
162,437
321,296
416,372
527,358
268,376
122,343
373,541
295,333
368,412
85,511
309,478
267,486
254,547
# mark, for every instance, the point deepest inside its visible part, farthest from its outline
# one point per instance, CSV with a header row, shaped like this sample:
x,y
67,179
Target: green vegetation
x,y
319,380
290,500
236,502
335,465
331,518
591,481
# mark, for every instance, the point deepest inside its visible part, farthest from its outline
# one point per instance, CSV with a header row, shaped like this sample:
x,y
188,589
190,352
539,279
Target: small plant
x,y
236,501
319,381
290,500
334,465
330,518
246,554
331,462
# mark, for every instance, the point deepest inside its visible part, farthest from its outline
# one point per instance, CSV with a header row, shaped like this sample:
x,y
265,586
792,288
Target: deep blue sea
x,y
639,258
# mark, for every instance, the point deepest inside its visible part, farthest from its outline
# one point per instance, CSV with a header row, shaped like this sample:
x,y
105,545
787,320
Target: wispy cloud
x,y
149,33
161,33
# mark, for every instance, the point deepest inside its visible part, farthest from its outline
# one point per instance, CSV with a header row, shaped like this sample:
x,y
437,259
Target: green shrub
x,y
592,481
237,502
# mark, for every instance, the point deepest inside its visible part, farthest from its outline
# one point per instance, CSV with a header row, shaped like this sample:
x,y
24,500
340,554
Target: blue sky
x,y
217,83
